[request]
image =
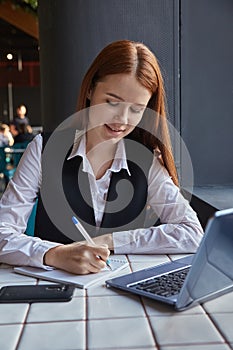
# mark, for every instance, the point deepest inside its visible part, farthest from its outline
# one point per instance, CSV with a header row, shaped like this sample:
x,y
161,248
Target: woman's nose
x,y
122,115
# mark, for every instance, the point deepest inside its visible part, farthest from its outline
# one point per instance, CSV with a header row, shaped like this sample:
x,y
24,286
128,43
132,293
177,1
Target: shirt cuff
x,y
38,258
122,242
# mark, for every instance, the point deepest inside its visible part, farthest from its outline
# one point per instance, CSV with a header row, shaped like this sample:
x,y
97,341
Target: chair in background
x,y
6,168
31,221
17,151
9,160
203,209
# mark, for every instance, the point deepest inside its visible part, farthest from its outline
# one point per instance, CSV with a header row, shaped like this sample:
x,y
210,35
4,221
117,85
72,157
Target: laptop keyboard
x,y
164,285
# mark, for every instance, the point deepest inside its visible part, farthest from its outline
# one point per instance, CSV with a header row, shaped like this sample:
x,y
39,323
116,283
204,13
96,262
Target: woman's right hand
x,y
78,257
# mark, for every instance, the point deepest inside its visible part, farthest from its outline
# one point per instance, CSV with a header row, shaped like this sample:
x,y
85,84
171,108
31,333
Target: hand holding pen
x,y
87,237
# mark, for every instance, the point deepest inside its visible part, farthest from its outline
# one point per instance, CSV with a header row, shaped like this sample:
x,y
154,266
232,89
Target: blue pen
x,y
87,237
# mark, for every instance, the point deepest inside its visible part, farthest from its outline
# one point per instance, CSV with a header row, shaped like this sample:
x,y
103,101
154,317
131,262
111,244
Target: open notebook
x,y
81,281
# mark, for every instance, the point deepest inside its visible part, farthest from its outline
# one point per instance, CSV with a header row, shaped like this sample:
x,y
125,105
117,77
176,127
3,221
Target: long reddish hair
x,y
131,57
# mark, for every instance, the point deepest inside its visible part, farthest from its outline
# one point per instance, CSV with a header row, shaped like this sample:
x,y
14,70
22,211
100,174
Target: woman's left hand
x,y
105,239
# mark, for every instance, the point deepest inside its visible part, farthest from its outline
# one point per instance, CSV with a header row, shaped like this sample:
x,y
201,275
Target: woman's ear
x,y
89,93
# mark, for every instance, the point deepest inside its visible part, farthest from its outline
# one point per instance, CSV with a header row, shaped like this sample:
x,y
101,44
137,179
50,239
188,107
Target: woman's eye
x,y
137,110
113,103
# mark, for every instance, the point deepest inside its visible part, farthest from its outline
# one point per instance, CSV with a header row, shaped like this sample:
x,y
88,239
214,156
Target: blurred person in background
x,y
6,138
23,133
13,129
21,117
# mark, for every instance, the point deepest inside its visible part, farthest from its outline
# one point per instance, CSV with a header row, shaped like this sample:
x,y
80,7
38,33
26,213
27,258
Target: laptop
x,y
194,279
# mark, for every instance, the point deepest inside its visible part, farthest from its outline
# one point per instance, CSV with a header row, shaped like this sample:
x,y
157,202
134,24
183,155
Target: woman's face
x,y
117,103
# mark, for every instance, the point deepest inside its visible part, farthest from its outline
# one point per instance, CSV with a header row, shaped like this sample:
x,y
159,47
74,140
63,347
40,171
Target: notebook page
x,y
81,281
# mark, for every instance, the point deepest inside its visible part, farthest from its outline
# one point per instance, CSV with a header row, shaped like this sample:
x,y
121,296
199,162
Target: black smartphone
x,y
36,293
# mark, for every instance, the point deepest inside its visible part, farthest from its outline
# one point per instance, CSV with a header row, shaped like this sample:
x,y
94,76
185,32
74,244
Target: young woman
x,y
123,97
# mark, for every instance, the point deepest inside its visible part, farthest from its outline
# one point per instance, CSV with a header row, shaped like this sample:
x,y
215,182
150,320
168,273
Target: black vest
x,y
125,206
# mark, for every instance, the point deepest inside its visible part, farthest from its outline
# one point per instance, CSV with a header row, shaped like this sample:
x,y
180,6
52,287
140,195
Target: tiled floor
x,y
100,318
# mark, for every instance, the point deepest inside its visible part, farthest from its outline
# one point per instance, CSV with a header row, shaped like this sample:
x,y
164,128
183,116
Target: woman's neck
x,y
100,155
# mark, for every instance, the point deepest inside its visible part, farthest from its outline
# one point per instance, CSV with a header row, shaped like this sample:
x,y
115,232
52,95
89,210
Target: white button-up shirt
x,y
180,231
99,188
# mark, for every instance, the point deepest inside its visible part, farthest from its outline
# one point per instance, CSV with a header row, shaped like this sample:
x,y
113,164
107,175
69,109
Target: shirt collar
x,y
79,149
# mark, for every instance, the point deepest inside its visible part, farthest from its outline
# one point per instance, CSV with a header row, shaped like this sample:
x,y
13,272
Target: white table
x,y
100,318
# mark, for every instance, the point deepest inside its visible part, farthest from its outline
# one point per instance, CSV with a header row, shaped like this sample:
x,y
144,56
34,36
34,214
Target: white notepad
x,y
81,281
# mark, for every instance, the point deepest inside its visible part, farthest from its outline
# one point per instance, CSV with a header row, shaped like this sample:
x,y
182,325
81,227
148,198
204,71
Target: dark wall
x,y
207,88
3,104
72,33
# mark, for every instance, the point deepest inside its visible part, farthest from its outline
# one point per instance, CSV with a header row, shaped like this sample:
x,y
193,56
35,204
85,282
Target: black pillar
x,y
58,60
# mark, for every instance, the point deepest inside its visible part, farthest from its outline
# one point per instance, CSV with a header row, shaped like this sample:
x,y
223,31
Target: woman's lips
x,y
115,129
